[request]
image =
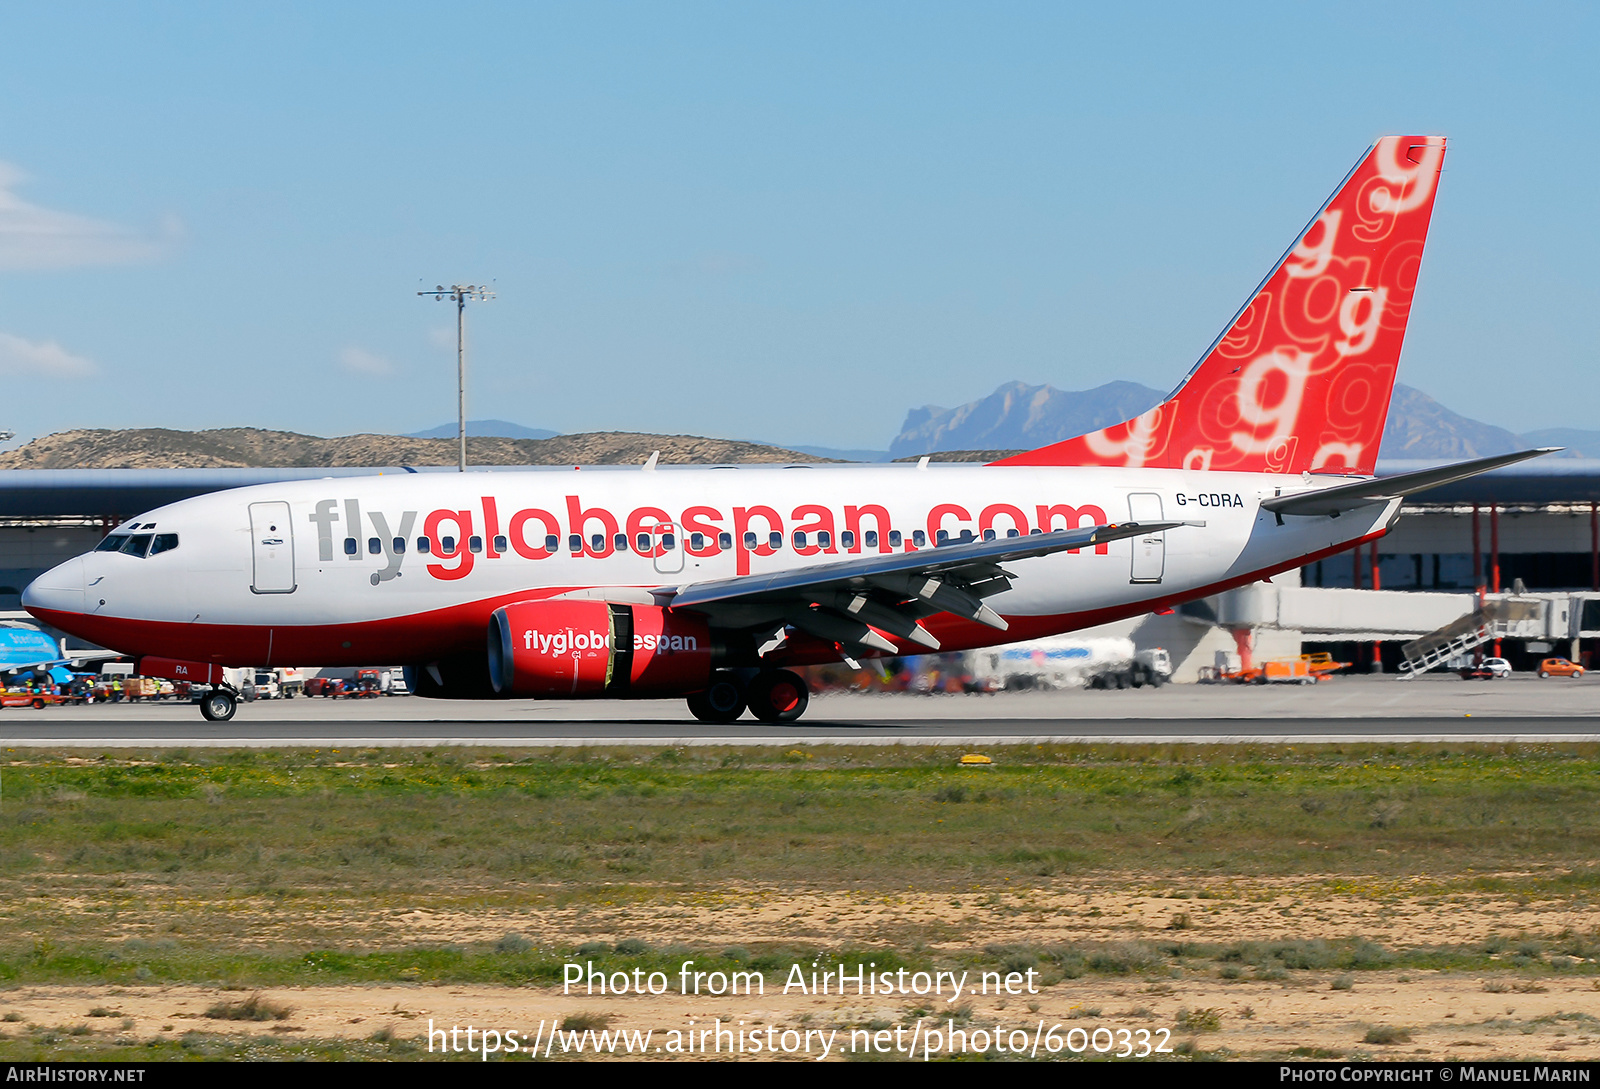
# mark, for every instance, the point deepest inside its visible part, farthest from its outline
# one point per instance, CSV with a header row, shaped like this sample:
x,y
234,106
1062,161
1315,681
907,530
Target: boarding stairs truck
x,y
1505,618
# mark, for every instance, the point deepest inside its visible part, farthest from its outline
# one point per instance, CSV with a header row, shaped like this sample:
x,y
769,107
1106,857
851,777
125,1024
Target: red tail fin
x,y
1301,379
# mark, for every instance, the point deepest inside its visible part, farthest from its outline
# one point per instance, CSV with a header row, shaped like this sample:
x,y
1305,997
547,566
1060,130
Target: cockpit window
x,y
112,543
137,545
164,542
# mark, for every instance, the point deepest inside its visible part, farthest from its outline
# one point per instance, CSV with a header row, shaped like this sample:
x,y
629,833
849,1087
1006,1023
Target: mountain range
x,y
1017,416
484,429
1022,417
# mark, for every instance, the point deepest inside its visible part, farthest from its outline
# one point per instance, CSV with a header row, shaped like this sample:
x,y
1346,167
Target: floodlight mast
x,y
460,293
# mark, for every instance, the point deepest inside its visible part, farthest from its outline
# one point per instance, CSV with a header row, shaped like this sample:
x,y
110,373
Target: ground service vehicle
x,y
23,698
1490,669
1147,667
1559,667
710,583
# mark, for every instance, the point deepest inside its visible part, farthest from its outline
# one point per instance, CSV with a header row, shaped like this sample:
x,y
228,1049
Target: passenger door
x,y
1149,549
272,547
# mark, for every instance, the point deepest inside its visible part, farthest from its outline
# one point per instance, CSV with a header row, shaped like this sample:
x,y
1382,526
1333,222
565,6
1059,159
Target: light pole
x,y
460,293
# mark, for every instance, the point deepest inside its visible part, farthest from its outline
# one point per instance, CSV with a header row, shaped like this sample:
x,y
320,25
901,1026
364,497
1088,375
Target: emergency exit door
x,y
272,548
1149,549
668,548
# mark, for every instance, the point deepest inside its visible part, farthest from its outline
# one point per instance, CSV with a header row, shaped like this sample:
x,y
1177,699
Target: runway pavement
x,y
1360,708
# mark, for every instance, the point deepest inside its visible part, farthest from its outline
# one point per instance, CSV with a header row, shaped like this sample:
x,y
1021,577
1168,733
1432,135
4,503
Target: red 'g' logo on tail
x,y
1301,379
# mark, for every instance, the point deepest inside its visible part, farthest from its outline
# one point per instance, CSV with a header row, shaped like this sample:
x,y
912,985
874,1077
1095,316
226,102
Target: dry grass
x,y
1386,1034
586,1019
254,1008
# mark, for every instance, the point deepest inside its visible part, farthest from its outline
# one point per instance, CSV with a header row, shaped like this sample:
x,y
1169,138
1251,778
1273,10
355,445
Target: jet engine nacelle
x,y
596,648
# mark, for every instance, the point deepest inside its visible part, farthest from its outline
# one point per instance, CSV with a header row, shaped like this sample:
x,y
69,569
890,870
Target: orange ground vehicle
x,y
1306,669
28,699
1322,663
1559,667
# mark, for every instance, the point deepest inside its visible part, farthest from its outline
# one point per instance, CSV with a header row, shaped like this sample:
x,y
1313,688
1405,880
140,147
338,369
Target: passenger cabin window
x,y
870,538
619,541
447,545
164,542
137,545
643,541
824,539
424,545
894,538
112,543
668,542
847,539
501,544
697,541
1013,532
598,541
350,546
552,544
919,538
799,538
374,546
750,539
399,545
774,540
724,540
474,544
988,534
574,542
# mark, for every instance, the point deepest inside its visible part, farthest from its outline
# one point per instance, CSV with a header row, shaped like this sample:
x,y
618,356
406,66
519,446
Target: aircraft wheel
x,y
778,696
218,705
722,701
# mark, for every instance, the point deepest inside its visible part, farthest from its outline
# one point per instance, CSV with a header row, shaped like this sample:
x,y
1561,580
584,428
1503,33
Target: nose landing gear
x,y
219,704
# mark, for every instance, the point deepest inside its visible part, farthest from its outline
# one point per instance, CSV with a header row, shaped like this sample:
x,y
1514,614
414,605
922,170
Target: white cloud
x,y
32,237
360,361
40,359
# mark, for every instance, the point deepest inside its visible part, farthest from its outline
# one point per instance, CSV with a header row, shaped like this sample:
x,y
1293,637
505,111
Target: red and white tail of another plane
x,y
712,583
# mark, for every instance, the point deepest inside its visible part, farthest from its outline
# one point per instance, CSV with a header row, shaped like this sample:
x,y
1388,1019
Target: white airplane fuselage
x,y
331,572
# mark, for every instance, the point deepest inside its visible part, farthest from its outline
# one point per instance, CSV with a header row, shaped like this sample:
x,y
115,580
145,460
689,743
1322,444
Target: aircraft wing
x,y
843,602
70,660
1359,493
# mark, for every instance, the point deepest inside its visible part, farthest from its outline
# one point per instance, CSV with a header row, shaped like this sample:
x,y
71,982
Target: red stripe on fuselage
x,y
420,637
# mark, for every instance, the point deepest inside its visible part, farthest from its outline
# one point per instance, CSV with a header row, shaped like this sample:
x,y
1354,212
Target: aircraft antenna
x,y
459,294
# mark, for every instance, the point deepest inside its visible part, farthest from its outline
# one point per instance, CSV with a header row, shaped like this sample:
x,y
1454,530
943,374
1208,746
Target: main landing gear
x,y
219,704
773,695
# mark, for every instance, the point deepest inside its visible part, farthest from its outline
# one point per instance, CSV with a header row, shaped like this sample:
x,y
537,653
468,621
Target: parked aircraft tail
x,y
1301,379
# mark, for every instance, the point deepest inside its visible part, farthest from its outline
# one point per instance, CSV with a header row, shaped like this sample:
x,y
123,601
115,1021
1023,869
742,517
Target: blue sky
x,y
784,222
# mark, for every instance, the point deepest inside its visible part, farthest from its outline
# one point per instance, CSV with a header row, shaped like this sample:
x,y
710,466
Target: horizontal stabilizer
x,y
1360,493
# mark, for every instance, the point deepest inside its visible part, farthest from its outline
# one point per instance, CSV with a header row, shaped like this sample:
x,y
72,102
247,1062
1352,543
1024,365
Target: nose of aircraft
x,y
59,589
